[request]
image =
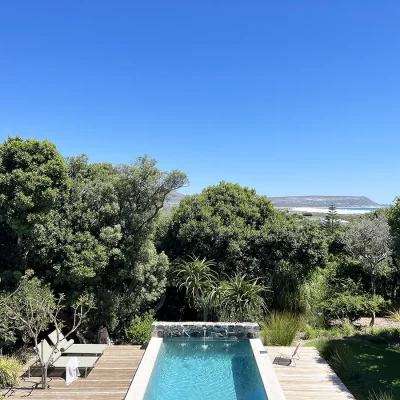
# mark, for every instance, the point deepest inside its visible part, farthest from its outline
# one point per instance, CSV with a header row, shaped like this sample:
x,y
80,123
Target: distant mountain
x,y
298,201
173,199
323,201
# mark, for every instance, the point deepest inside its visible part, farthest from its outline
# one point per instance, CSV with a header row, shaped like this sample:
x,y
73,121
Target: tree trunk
x,y
372,323
161,302
44,377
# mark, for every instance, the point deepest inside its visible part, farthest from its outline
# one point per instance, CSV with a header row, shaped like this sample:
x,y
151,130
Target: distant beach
x,y
324,210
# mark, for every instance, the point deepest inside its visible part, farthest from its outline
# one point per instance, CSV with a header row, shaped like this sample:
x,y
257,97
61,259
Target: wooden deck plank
x,y
311,379
110,379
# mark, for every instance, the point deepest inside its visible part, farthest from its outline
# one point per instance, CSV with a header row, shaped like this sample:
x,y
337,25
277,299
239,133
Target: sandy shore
x,y
317,210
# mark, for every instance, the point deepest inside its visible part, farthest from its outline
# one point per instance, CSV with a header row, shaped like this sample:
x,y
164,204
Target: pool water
x,y
217,369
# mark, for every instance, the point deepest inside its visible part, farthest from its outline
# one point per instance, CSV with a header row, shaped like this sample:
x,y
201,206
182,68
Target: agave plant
x,y
239,298
197,277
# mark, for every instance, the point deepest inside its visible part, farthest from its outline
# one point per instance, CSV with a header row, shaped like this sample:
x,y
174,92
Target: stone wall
x,y
230,330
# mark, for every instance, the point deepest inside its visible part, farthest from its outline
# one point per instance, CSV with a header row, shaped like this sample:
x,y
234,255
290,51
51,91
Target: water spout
x,y
204,346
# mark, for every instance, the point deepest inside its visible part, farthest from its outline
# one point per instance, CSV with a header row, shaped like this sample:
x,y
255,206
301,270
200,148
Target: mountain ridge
x,y
299,201
323,201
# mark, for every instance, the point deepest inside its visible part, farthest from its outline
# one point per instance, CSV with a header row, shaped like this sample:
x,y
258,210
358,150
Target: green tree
x,y
286,253
198,279
33,308
332,222
217,224
367,239
32,173
100,237
394,223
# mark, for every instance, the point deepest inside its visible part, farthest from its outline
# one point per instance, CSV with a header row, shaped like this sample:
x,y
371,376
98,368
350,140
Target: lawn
x,y
379,368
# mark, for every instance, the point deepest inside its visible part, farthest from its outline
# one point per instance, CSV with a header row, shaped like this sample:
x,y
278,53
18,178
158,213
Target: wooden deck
x,y
311,379
110,379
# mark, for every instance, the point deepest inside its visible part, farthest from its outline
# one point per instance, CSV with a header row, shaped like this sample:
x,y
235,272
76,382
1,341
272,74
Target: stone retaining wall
x,y
231,330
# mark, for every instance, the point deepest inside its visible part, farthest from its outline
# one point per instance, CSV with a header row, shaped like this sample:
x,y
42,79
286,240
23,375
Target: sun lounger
x,y
287,360
58,361
68,347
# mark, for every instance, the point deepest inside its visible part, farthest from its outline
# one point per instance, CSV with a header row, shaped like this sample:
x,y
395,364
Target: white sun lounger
x,y
58,361
68,347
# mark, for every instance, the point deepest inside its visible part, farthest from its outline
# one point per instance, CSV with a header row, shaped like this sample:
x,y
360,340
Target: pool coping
x,y
138,386
271,383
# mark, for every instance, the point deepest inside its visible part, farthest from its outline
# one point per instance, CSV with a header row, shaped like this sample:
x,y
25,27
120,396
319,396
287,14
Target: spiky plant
x,y
198,279
239,298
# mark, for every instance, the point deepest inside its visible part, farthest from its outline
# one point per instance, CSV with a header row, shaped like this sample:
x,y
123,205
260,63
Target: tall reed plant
x,y
10,369
280,329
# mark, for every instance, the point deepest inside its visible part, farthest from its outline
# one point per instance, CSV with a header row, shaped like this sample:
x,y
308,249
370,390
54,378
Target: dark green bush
x,y
139,331
10,369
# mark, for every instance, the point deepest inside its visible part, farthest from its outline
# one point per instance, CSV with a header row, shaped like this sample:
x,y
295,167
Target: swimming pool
x,y
191,369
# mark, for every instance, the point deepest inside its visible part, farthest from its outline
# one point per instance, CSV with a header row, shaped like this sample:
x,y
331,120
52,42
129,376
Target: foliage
x,y
239,298
84,227
377,366
343,360
394,223
395,315
347,306
32,173
381,335
139,332
23,354
34,307
368,240
217,224
198,280
243,234
10,369
380,396
331,222
280,329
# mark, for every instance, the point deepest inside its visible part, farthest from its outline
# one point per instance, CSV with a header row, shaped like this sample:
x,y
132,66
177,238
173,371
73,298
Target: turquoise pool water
x,y
188,370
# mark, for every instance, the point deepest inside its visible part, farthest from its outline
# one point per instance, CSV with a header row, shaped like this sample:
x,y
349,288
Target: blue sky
x,y
287,97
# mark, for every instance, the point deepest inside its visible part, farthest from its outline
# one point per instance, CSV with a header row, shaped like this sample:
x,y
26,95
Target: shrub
x,y
380,396
344,363
9,371
139,331
351,307
346,329
340,357
281,329
23,355
382,335
395,315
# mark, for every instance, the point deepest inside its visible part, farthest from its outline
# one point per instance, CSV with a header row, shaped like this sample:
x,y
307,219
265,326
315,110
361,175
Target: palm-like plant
x,y
239,298
197,277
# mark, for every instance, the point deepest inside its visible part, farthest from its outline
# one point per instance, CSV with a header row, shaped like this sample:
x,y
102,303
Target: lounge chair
x,y
57,361
68,347
287,360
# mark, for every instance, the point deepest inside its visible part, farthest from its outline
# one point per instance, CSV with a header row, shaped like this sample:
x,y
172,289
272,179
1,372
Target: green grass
x,y
378,366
